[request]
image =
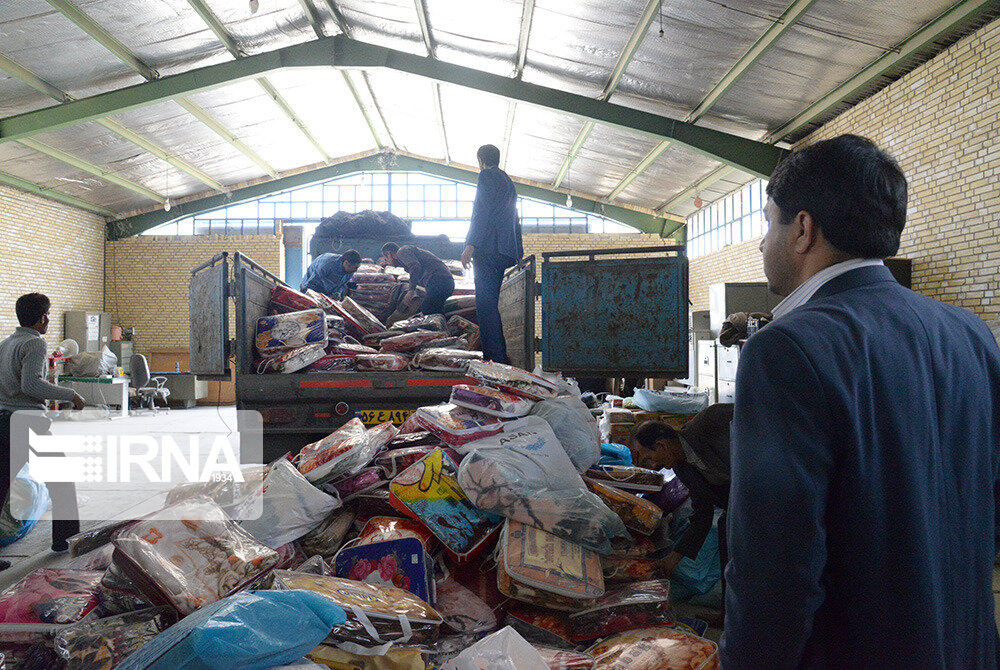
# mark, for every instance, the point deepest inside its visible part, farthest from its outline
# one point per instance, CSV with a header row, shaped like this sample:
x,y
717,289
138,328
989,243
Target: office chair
x,y
147,395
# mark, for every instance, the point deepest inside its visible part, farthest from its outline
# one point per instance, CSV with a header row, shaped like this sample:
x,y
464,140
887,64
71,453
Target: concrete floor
x,y
106,501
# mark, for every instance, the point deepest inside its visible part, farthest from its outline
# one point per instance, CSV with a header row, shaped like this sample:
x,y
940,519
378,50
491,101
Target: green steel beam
x,y
363,107
52,194
215,25
748,155
706,181
374,163
624,58
89,26
33,80
425,26
584,133
283,105
339,17
439,112
314,20
959,13
507,132
223,132
90,168
527,12
639,169
39,84
787,19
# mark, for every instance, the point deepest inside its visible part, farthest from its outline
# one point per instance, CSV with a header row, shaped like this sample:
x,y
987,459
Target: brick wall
x,y
737,262
147,280
53,249
536,243
941,122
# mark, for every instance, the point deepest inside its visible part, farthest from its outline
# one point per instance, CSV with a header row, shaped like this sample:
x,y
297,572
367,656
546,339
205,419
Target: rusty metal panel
x,y
615,316
209,317
253,296
517,313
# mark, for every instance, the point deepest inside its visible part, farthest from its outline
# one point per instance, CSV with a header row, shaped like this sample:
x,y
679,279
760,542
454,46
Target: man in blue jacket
x,y
494,240
863,506
330,273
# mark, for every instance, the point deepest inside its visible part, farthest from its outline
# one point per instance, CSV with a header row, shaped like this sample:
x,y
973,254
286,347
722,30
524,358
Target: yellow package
x,y
397,658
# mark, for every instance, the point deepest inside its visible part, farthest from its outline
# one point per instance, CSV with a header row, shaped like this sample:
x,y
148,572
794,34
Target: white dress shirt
x,y
808,288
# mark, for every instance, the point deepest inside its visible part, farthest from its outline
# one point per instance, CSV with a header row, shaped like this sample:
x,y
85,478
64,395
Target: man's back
x,y
874,413
23,348
494,228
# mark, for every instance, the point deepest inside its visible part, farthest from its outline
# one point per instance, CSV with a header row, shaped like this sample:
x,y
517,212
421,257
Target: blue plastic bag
x,y
695,577
28,500
615,454
251,630
671,401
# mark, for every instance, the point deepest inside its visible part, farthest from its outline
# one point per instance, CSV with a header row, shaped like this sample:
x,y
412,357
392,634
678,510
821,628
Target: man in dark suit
x,y
494,240
863,508
698,454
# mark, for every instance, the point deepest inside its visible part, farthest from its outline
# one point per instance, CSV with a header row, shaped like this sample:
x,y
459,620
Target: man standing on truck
x,y
426,270
330,273
494,240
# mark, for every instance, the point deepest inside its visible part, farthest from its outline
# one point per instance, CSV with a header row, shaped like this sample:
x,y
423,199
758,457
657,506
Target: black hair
x,y
489,155
30,307
649,432
854,191
389,248
351,256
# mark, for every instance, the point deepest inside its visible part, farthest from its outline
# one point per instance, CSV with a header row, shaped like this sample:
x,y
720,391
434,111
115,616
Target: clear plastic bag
x,y
250,631
327,538
628,607
26,504
190,555
47,597
655,649
457,425
104,643
290,507
292,360
490,401
503,650
381,363
671,401
422,322
574,426
281,332
344,451
445,360
524,474
410,342
514,380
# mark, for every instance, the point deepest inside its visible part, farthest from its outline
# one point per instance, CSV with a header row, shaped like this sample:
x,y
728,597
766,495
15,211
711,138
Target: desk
x,y
100,390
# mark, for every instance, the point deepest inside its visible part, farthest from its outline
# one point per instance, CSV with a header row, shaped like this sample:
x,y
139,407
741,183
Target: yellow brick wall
x,y
737,262
537,243
941,122
147,280
52,249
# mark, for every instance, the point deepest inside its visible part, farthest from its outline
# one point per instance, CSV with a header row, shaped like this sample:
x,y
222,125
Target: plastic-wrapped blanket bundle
x,y
358,318
344,451
463,327
490,401
636,605
639,515
574,426
284,299
524,474
46,601
381,362
565,659
513,380
375,339
434,322
627,478
292,360
409,342
377,615
457,425
287,331
445,360
190,555
334,363
655,649
102,644
250,631
403,563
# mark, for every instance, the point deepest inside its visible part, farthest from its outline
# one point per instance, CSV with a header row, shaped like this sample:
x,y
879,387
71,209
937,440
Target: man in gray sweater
x,y
23,386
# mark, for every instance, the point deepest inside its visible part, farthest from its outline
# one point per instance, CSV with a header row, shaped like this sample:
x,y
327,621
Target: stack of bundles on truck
x,y
376,290
328,335
484,532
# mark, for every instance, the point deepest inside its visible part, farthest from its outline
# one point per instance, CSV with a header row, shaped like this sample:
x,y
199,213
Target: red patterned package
x,y
333,363
358,317
381,362
412,341
343,452
564,659
45,601
285,299
635,605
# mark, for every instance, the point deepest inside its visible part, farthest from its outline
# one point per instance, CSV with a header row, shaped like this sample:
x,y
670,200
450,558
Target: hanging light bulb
x,y
166,205
254,6
698,202
569,200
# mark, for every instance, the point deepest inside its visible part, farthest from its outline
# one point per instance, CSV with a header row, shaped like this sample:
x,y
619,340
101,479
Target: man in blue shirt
x,y
330,273
494,241
863,508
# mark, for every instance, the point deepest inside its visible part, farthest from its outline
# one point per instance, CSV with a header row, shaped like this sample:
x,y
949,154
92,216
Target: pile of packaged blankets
x,y
482,533
311,332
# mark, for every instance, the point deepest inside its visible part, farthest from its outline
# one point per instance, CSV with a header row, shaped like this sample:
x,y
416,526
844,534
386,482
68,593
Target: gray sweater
x,y
22,373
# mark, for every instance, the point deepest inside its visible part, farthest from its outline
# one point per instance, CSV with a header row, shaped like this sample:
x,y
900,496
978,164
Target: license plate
x,y
373,417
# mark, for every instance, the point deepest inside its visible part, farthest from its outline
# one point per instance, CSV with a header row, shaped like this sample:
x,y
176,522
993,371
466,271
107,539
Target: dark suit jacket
x,y
707,434
421,265
862,516
495,229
